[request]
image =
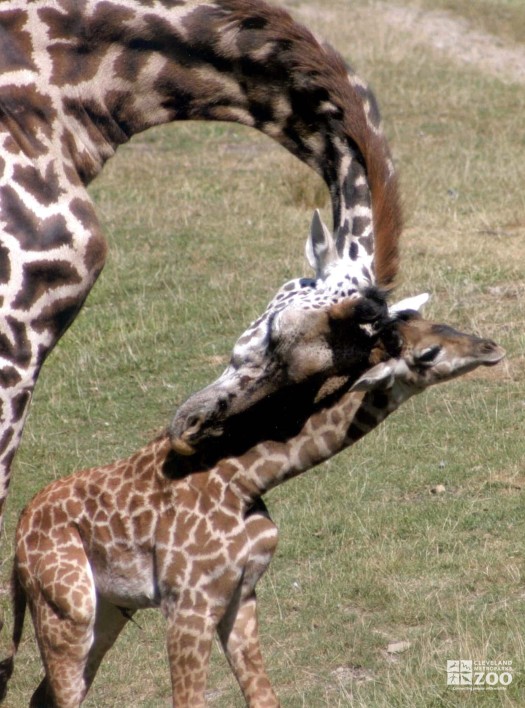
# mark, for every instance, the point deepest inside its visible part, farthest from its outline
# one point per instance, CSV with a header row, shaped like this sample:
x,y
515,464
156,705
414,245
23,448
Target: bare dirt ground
x,y
454,37
447,35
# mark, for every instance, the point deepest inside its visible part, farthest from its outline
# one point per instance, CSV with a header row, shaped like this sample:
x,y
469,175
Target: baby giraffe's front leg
x,y
190,632
192,616
239,628
239,636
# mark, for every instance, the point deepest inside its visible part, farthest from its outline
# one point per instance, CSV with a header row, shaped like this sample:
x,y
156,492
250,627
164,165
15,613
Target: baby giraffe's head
x,y
413,354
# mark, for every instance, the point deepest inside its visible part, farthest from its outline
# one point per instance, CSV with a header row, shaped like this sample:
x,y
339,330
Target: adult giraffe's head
x,y
315,329
311,328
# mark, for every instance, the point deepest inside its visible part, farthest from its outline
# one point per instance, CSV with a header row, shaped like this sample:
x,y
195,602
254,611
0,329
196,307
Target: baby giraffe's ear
x,y
380,376
321,252
369,307
410,303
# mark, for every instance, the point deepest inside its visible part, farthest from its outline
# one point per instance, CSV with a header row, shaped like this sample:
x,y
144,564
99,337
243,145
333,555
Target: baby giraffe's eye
x,y
428,355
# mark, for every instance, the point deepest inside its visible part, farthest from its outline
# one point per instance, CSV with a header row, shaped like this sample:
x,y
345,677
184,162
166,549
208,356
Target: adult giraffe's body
x,y
80,77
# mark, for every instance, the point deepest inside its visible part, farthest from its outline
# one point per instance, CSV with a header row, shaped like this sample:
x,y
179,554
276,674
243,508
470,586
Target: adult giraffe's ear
x,y
321,252
380,376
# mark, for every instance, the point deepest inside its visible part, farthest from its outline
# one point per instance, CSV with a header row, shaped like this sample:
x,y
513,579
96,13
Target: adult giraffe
x,y
79,77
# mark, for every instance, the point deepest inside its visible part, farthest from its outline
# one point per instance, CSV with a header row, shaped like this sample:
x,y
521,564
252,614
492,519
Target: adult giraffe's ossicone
x,y
77,79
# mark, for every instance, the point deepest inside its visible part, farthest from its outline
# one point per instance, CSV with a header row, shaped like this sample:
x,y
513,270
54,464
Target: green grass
x,y
204,223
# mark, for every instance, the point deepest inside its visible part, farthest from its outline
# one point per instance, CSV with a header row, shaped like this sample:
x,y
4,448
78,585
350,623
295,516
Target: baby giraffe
x,y
189,534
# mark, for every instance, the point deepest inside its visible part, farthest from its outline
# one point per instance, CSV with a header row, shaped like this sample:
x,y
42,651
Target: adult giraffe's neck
x,y
124,67
341,419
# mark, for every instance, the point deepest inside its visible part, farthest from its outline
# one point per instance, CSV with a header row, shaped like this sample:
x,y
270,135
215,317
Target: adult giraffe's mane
x,y
329,80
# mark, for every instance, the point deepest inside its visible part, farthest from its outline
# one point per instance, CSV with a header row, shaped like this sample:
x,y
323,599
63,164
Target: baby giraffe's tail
x,y
19,602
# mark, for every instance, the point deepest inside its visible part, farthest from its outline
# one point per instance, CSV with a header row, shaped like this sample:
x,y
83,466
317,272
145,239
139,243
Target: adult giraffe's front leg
x,y
51,251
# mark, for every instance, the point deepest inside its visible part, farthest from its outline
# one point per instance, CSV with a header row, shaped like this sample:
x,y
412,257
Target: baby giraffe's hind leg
x,y
63,604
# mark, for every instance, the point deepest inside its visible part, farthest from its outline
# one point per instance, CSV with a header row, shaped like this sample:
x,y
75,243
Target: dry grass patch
x,y
502,18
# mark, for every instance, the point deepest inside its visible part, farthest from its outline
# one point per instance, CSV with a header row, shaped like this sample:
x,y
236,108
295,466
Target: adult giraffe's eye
x,y
428,355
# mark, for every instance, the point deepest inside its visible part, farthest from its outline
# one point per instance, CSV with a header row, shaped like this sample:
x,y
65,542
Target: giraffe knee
x,y
263,537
